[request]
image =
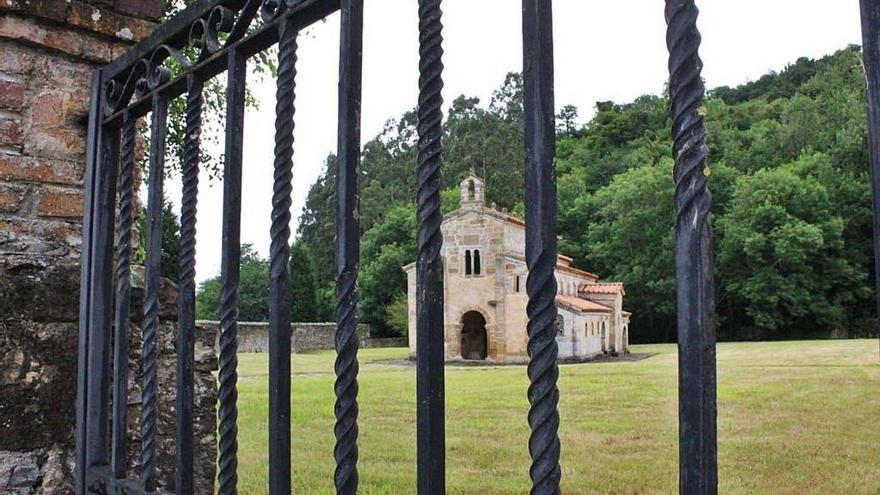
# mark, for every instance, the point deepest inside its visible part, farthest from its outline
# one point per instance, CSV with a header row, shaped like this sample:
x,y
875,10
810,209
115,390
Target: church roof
x,y
582,305
565,268
602,288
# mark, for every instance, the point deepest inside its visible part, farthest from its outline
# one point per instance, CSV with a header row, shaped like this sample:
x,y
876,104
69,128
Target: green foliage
x,y
385,249
397,314
784,253
627,238
169,262
308,302
253,297
303,285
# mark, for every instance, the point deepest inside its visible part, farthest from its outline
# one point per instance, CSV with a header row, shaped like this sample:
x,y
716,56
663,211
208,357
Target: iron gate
x,y
224,35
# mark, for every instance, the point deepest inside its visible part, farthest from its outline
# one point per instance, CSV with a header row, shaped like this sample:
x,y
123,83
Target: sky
x,y
604,50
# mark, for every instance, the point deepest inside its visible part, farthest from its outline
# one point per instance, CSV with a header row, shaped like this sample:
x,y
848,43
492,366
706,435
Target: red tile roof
x,y
582,305
602,288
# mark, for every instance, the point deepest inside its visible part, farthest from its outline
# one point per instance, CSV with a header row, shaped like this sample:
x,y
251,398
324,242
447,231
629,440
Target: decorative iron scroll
x,y
216,27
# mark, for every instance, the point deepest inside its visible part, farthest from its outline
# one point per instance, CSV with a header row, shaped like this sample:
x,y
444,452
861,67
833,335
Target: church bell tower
x,y
473,192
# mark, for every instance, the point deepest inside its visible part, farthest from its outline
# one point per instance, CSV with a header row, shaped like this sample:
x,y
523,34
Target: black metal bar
x,y
698,461
430,388
279,294
348,247
871,58
101,302
229,270
541,249
123,299
183,480
302,14
92,212
152,272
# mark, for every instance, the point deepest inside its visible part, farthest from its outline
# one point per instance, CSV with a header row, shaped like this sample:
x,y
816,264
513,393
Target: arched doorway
x,y
474,341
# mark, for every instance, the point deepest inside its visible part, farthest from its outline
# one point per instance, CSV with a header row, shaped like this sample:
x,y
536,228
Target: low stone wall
x,y
254,336
384,343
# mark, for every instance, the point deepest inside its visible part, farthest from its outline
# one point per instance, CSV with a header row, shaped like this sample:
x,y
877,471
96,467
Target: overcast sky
x,y
605,50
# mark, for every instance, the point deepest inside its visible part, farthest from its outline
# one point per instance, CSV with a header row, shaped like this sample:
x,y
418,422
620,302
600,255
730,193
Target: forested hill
x,y
789,178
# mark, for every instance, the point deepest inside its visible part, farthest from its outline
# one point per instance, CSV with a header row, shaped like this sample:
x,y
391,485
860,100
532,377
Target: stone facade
x,y
48,51
485,291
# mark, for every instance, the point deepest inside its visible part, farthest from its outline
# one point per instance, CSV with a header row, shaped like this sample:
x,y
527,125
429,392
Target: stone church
x,y
485,291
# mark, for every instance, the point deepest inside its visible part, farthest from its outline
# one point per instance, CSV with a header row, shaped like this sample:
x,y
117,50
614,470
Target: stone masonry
x,y
48,50
304,337
484,291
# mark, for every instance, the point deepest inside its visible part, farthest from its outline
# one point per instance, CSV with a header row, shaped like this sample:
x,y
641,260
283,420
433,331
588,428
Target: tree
x,y
630,238
397,314
566,122
169,261
385,249
303,285
253,298
783,252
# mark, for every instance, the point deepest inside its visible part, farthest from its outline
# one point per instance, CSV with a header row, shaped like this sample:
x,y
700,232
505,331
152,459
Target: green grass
x,y
794,418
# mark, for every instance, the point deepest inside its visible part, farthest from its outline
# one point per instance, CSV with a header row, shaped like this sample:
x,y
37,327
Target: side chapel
x,y
485,291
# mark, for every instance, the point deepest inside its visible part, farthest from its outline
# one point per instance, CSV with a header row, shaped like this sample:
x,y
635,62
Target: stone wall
x,y
254,336
384,343
48,50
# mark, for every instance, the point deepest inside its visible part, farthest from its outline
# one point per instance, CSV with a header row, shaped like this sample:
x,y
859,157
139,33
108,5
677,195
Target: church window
x,y
560,325
467,262
516,283
477,267
472,191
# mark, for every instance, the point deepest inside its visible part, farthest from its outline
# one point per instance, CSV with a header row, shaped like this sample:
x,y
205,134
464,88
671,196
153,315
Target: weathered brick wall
x,y
48,49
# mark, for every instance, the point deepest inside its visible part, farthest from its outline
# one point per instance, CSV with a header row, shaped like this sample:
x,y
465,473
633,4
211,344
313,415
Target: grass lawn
x,y
794,418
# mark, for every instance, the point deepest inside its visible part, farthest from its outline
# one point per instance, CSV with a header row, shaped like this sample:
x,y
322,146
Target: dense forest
x,y
789,178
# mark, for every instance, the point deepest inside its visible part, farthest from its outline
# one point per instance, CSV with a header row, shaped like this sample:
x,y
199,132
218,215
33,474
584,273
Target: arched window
x,y
467,262
516,283
472,190
477,267
560,325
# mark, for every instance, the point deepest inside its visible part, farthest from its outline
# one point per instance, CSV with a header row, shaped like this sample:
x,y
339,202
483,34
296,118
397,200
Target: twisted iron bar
x,y
697,407
543,372
189,200
430,117
346,387
149,352
541,247
345,451
123,296
230,275
279,378
228,395
429,285
185,335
